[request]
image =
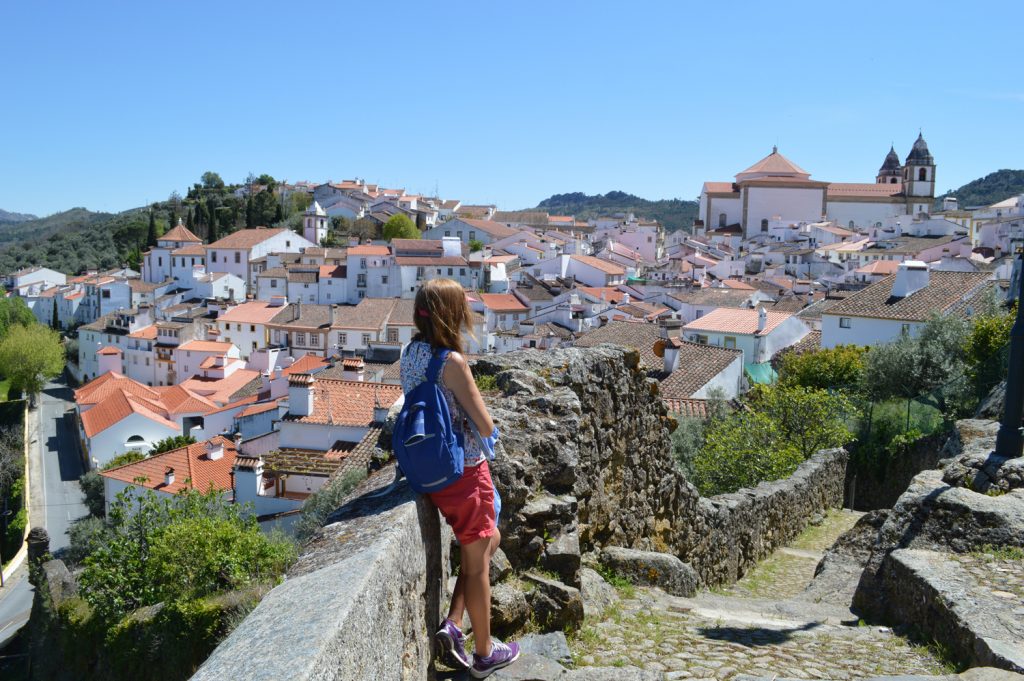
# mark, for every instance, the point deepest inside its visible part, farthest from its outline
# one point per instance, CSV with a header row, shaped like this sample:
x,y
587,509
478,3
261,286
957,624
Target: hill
x,y
672,213
9,217
992,188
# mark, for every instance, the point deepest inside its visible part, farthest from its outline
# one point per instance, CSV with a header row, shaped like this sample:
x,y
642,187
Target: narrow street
x,y
54,469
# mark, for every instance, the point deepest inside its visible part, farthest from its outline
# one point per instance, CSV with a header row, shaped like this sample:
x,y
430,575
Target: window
x,y
300,338
450,270
419,273
342,338
238,257
160,261
764,225
384,279
273,283
106,293
730,342
361,294
213,256
362,263
905,329
252,328
721,219
328,295
922,174
238,327
277,336
703,340
361,280
287,244
892,180
147,361
447,232
462,271
472,235
254,345
851,224
844,322
366,339
392,334
314,339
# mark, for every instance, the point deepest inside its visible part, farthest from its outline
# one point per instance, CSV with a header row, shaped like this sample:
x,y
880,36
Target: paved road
x,y
55,467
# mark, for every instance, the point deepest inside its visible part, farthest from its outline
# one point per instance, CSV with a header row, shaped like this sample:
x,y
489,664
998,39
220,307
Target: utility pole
x,y
1009,440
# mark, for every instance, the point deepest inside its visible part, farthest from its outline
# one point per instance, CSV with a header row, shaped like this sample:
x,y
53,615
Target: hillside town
x,y
279,355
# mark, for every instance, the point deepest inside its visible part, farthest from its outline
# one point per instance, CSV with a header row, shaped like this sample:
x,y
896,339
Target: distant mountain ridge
x,y
992,188
7,217
672,213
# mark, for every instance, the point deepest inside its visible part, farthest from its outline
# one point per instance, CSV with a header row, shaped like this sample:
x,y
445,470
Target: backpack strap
x,y
437,364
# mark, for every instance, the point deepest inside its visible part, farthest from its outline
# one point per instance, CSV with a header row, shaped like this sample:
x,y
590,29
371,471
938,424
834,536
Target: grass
x,y
989,553
621,584
821,537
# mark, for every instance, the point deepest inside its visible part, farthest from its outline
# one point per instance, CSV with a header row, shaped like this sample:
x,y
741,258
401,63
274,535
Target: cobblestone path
x,y
754,627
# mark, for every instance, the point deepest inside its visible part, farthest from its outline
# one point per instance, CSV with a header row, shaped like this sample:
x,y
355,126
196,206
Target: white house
x,y
245,325
233,253
758,333
901,304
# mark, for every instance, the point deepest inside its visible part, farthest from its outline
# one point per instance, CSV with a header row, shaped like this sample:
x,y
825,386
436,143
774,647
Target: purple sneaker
x,y
502,655
451,644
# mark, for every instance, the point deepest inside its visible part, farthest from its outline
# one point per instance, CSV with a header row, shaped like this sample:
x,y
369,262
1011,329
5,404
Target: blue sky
x,y
111,105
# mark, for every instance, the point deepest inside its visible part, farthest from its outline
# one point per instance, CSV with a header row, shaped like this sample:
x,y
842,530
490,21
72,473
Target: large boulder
x,y
509,610
652,569
552,646
597,594
554,605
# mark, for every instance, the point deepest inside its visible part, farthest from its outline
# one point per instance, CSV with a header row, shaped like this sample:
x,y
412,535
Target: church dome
x,y
919,154
891,164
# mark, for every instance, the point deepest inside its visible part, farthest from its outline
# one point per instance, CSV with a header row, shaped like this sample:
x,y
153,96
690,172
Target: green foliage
x,y
365,228
486,383
399,226
325,501
211,180
776,429
838,368
131,456
169,443
672,213
475,245
984,347
177,549
14,312
30,356
92,487
687,440
985,191
84,536
12,488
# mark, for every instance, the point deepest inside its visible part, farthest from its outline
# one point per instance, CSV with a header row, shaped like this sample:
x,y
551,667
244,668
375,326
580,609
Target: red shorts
x,y
468,504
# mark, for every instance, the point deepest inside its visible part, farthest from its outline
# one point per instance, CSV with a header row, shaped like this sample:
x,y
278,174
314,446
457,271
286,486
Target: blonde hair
x,y
441,313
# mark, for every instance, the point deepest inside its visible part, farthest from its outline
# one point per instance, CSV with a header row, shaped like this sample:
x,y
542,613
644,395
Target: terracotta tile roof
x,y
611,295
118,406
194,249
720,188
254,409
640,336
333,271
885,267
206,346
347,403
179,233
145,333
252,312
370,314
502,302
193,469
428,261
698,365
246,238
870,189
490,227
109,350
717,297
775,164
689,407
741,321
101,387
305,365
418,246
304,316
737,285
221,390
597,263
945,290
369,249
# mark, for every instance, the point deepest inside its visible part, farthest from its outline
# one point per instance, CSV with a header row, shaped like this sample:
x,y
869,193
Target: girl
x,y
471,504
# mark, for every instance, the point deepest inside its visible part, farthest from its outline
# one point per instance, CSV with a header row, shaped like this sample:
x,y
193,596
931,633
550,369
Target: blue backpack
x,y
426,446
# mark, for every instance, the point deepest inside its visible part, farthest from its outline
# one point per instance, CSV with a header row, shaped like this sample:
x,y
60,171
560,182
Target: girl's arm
x,y
458,378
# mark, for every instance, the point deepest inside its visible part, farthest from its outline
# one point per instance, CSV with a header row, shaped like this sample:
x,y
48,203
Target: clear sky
x,y
111,105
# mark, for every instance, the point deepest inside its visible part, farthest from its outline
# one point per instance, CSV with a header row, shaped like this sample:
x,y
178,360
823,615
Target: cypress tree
x,y
151,234
212,233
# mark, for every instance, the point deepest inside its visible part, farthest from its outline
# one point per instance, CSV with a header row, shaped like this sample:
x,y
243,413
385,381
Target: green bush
x,y
92,487
85,536
325,501
131,456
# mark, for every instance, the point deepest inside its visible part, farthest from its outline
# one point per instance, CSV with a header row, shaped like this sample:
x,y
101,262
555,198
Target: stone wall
x,y
868,489
584,463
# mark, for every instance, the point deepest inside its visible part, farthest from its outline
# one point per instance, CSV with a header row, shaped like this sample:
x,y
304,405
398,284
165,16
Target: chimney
x,y
380,412
300,394
669,327
276,301
911,276
214,449
762,319
625,298
168,476
353,368
670,353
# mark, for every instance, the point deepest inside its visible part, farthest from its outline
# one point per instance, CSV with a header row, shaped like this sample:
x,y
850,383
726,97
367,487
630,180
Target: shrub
x,y
839,368
325,501
92,487
131,456
85,536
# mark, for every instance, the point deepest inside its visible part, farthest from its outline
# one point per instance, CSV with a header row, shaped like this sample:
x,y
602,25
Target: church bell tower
x,y
314,224
891,171
919,178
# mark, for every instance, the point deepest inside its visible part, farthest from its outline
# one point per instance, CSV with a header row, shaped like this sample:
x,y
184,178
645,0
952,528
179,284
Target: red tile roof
x,y
252,312
870,189
109,350
369,249
347,403
719,188
117,407
597,263
254,409
502,302
208,346
305,364
247,238
193,469
736,320
611,295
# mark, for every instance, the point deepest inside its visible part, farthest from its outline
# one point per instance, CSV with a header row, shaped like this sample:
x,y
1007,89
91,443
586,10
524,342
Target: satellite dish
x,y
659,347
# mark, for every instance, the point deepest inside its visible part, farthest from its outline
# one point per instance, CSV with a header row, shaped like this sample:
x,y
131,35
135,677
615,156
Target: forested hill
x,y
672,213
992,188
7,217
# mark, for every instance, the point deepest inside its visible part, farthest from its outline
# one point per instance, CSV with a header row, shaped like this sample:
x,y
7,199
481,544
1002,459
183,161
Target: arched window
x,y
721,219
135,440
764,225
892,180
922,174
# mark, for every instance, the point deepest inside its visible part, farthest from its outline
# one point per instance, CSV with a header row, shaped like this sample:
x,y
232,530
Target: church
x,y
775,190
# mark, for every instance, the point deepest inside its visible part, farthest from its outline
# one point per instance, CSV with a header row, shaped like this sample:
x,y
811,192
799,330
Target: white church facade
x,y
775,189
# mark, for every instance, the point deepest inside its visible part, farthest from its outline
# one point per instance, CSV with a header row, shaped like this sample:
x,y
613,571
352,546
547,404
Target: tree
x,y
172,442
341,224
30,356
264,208
91,483
250,212
211,180
985,343
399,226
12,459
809,419
267,181
55,317
475,245
124,458
14,312
838,368
365,229
151,232
211,231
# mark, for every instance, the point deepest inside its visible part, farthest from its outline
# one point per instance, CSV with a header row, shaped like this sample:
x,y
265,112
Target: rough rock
x,y
837,573
976,466
509,610
552,646
530,667
500,567
597,594
61,583
652,569
554,605
562,556
993,405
